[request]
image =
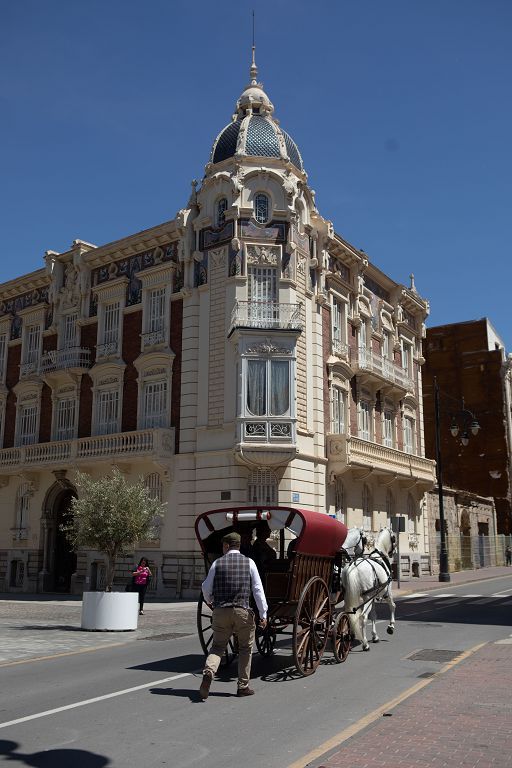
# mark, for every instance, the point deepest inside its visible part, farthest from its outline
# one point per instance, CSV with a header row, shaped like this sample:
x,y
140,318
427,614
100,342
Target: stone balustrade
x,y
349,452
150,443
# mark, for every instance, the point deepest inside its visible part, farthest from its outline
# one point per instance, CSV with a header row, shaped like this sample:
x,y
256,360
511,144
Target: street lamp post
x,y
470,424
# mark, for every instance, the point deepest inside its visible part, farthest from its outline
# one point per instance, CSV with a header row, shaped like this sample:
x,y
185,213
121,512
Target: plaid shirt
x,y
232,581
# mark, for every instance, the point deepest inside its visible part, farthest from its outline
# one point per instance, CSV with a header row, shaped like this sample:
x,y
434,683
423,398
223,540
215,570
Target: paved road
x,y
136,703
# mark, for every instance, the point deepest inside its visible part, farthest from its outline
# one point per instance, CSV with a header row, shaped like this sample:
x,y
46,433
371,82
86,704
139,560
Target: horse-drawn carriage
x,y
302,584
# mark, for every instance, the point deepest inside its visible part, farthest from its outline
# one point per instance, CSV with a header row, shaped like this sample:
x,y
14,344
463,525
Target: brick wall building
x,y
469,361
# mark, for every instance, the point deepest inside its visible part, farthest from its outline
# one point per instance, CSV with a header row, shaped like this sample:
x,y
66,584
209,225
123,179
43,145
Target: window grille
x,y
156,310
33,344
261,208
407,358
111,323
262,487
70,331
155,404
28,425
108,411
388,429
338,411
409,435
65,419
153,483
222,207
365,413
338,322
23,496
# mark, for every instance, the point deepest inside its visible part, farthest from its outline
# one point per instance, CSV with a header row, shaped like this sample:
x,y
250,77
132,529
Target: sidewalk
x,y
460,718
32,626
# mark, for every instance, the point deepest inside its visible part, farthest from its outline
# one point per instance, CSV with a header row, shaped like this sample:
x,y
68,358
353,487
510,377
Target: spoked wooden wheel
x,y
205,632
266,640
341,637
311,625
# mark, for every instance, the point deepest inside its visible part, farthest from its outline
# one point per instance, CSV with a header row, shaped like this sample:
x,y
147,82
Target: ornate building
x,y
241,353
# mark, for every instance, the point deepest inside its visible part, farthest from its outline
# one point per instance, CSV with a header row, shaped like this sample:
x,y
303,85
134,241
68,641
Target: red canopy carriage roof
x,y
317,533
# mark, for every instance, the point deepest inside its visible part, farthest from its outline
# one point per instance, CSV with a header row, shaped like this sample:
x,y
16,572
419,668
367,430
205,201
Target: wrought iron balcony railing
x,y
270,315
63,359
371,362
153,337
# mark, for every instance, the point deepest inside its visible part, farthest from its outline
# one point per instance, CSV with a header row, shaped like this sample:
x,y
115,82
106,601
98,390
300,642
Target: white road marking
x,y
93,701
505,593
415,595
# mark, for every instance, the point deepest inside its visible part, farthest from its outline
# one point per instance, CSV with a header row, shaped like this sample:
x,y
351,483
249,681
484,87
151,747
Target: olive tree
x,y
111,515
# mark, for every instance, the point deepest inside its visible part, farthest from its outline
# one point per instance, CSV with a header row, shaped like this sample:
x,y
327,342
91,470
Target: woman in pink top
x,y
141,578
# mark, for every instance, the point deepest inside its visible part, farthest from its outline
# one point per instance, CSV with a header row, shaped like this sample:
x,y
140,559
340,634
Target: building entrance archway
x,y
59,560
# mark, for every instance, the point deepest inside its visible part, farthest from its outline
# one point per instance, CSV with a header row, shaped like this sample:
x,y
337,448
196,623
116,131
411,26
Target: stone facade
x,y
242,353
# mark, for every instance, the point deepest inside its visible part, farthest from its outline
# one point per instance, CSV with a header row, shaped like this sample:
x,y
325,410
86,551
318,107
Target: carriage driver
x,y
227,588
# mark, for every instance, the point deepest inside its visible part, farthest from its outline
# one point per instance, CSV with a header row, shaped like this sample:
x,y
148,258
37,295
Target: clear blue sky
x,y
402,110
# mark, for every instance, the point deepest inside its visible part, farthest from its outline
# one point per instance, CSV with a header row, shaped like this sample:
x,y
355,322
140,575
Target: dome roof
x,y
253,131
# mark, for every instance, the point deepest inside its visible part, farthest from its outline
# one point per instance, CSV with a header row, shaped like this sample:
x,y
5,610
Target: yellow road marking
x,y
346,733
59,655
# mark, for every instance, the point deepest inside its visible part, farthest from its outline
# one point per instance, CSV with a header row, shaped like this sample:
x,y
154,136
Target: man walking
x,y
227,588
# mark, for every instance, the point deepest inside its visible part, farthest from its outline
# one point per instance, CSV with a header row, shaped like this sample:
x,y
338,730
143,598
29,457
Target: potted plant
x,y
110,515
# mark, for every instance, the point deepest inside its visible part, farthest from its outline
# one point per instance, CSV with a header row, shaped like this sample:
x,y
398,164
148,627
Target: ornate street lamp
x,y
469,425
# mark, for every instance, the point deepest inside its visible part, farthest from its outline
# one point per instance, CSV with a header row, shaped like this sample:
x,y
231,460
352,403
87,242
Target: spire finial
x,y
253,72
413,287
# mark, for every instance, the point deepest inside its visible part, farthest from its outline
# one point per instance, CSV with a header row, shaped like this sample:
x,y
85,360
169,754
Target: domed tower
x,y
253,232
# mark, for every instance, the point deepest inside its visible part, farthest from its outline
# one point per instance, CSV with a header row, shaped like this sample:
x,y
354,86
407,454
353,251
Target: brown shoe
x,y
245,692
204,689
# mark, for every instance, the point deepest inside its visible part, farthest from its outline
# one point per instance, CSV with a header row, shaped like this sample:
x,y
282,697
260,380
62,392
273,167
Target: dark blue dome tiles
x,y
226,143
293,152
261,138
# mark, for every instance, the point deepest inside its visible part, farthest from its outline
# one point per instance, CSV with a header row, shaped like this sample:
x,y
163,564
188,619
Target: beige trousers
x,y
232,621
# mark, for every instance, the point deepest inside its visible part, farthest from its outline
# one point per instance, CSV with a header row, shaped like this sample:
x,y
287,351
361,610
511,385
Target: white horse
x,y
354,544
366,579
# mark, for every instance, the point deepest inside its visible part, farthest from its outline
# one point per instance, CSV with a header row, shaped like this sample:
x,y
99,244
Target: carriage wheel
x,y
311,625
205,632
341,637
266,640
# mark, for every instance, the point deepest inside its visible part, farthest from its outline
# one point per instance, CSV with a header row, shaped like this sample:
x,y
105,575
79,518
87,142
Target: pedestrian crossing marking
x,y
447,595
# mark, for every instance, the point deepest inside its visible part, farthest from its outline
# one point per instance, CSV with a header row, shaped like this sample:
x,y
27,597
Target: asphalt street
x,y
123,701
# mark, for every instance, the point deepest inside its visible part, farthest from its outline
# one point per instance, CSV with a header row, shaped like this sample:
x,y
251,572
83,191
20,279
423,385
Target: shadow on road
x,y
53,758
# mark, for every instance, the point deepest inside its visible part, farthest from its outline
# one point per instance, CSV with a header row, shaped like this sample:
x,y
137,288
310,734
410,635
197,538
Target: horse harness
x,y
379,558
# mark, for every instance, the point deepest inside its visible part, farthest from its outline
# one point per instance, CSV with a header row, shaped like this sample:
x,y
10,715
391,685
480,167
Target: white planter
x,y
110,611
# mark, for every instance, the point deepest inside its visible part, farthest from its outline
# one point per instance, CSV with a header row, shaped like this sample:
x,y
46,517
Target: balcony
x,y
374,368
266,315
78,358
110,349
141,444
266,441
362,457
153,338
29,368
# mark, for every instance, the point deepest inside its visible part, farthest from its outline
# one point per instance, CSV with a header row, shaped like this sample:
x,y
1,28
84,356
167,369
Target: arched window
x,y
261,208
262,487
367,508
222,206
